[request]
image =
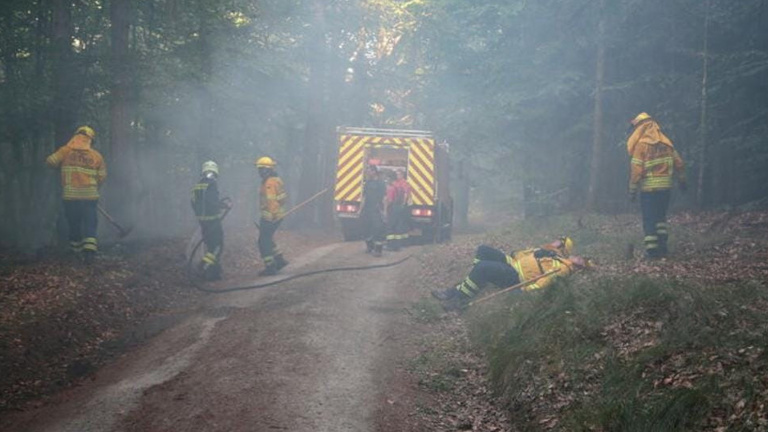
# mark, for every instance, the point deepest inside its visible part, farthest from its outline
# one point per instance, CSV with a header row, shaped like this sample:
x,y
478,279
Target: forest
x,y
531,95
634,322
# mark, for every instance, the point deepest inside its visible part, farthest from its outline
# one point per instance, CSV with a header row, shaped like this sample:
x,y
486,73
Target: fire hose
x,y
199,287
292,277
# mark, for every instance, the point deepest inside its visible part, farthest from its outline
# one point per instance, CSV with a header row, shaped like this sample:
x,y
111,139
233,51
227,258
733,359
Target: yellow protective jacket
x,y
82,169
654,159
272,199
529,267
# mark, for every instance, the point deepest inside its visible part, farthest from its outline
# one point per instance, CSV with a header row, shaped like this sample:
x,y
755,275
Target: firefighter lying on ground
x,y
371,211
496,267
209,210
271,201
396,209
654,162
83,171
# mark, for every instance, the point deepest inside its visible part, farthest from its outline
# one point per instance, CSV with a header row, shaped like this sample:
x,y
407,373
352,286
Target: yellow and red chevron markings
x,y
349,171
421,166
421,171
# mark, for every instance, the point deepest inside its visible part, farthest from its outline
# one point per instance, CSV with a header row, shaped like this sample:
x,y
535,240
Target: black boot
x,y
446,294
280,262
89,257
269,270
212,273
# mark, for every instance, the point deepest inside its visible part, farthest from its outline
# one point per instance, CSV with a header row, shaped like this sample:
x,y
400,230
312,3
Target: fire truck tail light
x,y
346,208
421,212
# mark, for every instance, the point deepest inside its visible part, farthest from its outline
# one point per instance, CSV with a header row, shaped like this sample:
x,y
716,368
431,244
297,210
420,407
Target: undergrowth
x,y
616,351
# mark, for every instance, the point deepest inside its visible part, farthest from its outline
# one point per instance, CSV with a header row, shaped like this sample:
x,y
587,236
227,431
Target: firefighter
x,y
374,192
654,161
396,209
83,171
494,266
271,200
209,211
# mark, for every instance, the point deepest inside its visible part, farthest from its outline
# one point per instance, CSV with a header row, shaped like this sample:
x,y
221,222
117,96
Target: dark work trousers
x,y
213,237
374,228
267,247
654,206
487,253
398,220
83,222
491,267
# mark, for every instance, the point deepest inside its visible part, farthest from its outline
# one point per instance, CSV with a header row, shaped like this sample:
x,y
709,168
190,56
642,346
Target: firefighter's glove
x,y
544,253
226,203
633,195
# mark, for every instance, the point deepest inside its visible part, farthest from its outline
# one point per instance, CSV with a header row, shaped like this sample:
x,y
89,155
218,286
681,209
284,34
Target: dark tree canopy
x,y
524,92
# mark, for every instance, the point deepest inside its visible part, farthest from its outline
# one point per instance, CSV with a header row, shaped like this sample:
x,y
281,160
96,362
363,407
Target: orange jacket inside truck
x,y
417,153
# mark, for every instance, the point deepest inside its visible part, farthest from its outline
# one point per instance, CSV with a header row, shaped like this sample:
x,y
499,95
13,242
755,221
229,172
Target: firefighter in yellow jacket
x,y
83,171
654,161
494,266
271,200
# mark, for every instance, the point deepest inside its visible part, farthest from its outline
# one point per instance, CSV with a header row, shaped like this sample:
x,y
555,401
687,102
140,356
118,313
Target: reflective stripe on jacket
x,y
205,200
82,169
272,198
529,267
654,160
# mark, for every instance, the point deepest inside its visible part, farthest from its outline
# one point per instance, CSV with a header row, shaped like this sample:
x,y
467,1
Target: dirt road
x,y
313,354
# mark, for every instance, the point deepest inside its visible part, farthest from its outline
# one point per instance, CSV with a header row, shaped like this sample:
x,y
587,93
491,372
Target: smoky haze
x,y
534,99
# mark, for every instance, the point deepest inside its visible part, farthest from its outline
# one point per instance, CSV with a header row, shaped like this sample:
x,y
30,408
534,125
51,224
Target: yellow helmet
x,y
640,117
265,162
87,131
567,244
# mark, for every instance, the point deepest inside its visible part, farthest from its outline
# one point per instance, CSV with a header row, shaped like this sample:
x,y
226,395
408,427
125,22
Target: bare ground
x,y
319,353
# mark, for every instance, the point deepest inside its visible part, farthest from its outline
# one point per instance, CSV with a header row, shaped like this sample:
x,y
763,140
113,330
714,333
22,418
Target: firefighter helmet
x,y
566,243
639,118
87,131
265,162
210,166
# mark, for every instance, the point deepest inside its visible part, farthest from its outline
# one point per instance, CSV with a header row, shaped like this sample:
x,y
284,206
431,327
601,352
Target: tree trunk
x,y
65,106
312,160
65,103
702,154
461,204
597,140
205,129
122,154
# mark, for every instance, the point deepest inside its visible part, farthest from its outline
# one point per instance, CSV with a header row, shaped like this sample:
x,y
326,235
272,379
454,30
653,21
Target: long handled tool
x,y
300,205
514,287
122,232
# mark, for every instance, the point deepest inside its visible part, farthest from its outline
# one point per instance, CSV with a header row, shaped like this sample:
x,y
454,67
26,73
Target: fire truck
x,y
427,167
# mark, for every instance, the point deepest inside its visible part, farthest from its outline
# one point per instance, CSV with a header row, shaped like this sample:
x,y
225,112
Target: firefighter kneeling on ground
x,y
209,211
494,266
83,171
272,198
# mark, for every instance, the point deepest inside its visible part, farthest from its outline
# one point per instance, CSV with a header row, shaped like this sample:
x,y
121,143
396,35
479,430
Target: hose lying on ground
x,y
199,287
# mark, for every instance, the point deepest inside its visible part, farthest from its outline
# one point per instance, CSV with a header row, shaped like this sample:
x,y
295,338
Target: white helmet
x,y
210,166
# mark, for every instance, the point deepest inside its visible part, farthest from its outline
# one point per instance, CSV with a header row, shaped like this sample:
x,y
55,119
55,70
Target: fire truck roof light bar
x,y
384,132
